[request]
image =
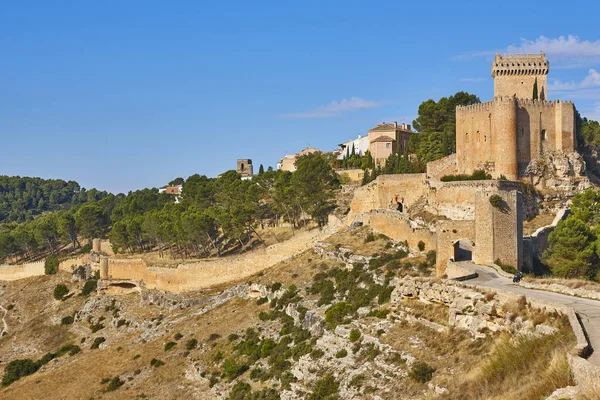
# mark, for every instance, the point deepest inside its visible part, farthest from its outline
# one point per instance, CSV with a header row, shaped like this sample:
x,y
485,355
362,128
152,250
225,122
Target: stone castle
x,y
503,136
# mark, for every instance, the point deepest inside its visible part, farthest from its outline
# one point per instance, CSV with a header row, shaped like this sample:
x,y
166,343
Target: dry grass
x,y
570,283
355,241
433,312
525,368
540,220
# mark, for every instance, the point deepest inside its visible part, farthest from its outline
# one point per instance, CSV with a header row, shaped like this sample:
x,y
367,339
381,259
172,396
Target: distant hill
x,y
22,198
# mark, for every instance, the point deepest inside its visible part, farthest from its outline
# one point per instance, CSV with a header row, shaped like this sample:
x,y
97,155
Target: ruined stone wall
x,y
499,231
207,273
71,263
399,227
444,166
448,232
387,190
355,175
14,272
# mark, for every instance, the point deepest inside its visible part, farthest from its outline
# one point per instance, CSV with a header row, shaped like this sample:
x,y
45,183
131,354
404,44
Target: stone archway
x,y
463,250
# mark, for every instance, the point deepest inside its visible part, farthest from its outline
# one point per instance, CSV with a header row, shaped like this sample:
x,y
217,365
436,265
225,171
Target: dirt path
x,y
5,328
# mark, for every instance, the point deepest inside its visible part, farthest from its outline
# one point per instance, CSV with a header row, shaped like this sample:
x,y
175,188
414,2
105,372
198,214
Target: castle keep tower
x,y
515,75
504,135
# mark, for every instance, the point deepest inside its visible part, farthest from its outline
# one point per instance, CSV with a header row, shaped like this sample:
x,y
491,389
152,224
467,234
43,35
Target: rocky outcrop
x,y
559,171
82,273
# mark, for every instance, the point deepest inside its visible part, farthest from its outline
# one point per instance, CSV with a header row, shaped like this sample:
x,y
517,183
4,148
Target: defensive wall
x,y
14,272
444,166
387,191
400,227
206,273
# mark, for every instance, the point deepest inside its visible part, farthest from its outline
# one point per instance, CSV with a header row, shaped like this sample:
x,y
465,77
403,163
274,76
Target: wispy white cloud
x,y
564,52
336,108
479,79
590,81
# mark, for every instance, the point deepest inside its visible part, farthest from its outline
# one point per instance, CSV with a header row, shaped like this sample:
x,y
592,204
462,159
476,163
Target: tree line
x,y
23,198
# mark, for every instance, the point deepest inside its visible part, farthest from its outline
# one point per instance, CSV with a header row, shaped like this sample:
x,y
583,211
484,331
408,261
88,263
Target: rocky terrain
x,y
357,317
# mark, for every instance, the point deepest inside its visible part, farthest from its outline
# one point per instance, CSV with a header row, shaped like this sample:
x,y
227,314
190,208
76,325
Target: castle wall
x,y
499,232
387,190
448,232
444,166
502,136
515,75
398,227
14,272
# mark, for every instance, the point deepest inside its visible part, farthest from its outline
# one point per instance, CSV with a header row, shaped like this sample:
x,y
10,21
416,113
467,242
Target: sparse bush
x,y
121,322
96,327
233,336
155,362
68,320
505,267
477,175
51,265
169,345
17,369
316,354
232,369
370,237
496,201
421,245
336,314
114,384
191,344
431,257
89,287
213,337
262,300
341,354
178,336
354,335
60,291
97,342
381,314
276,286
325,388
421,372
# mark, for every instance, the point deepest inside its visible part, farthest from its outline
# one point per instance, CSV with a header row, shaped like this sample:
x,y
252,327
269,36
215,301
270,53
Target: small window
x,y
543,135
388,145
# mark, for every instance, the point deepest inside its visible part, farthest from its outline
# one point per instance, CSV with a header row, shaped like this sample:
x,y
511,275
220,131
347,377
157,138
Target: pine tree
x,y
261,169
353,150
535,90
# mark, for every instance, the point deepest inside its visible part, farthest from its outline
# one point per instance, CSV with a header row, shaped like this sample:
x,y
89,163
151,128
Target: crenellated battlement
x,y
520,65
502,101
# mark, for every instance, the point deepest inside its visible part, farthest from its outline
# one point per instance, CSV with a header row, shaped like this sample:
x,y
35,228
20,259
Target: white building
x,y
361,145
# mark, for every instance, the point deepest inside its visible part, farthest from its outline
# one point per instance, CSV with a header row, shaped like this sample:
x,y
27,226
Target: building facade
x,y
394,138
504,135
360,144
245,168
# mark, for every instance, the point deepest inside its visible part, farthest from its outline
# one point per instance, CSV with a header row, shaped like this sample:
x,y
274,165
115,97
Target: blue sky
x,y
122,95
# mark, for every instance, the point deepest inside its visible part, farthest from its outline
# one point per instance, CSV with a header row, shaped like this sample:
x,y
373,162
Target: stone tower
x,y
516,75
244,168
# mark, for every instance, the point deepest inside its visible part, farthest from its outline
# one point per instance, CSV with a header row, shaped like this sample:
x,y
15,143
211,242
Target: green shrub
x,y
60,291
178,336
341,354
51,265
68,320
265,316
169,345
97,342
421,372
114,384
477,175
72,349
354,335
505,267
276,286
17,369
496,201
325,388
232,369
89,287
213,337
316,354
421,245
121,322
191,344
431,257
155,362
370,237
96,327
336,314
233,336
262,300
381,314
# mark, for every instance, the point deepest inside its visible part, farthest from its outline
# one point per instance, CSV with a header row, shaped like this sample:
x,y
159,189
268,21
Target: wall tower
x,y
517,74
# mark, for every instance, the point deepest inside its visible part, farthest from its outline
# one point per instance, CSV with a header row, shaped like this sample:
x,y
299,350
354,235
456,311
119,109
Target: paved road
x,y
587,309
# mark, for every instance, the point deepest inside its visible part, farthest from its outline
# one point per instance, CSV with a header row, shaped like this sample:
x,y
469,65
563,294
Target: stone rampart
x,y
400,227
444,166
14,272
207,273
448,233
